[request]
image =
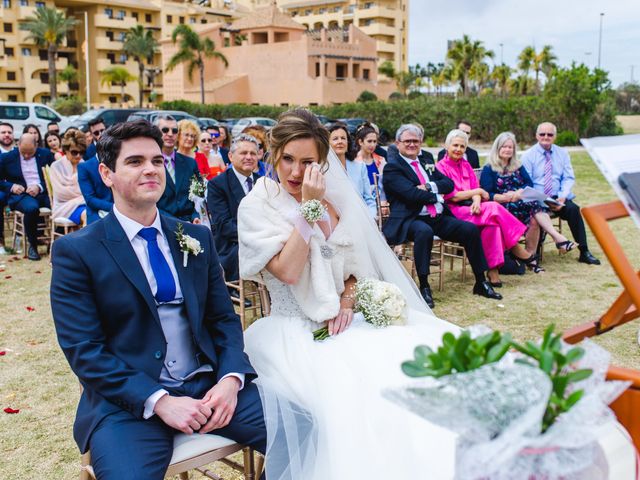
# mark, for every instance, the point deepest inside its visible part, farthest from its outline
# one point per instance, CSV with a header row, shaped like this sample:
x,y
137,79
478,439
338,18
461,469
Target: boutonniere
x,y
429,167
188,245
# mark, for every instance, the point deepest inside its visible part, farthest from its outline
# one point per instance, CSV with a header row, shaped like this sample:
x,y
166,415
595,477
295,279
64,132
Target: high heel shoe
x,y
566,246
532,263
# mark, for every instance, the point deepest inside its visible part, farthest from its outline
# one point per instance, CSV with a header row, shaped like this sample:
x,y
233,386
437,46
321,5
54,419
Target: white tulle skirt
x,y
325,414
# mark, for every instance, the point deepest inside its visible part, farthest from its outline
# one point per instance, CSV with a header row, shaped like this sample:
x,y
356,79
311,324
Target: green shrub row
x,y
488,115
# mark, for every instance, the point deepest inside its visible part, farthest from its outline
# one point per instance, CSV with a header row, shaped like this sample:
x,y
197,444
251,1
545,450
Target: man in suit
x,y
21,179
6,145
414,190
97,195
155,343
180,170
470,154
224,194
217,150
96,128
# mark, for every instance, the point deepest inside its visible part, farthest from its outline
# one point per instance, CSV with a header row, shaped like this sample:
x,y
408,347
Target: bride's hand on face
x,y
341,322
313,186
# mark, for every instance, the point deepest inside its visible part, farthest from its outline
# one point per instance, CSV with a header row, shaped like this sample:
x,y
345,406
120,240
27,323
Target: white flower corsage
x,y
312,210
430,167
197,187
188,245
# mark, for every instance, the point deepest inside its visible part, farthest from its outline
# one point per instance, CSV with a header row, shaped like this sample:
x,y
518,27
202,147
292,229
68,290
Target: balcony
x,y
102,20
24,12
379,29
32,64
104,43
104,63
23,38
378,11
382,46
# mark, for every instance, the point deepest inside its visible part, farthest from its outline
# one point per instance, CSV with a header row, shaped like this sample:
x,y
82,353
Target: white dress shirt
x,y
243,180
139,245
30,172
432,186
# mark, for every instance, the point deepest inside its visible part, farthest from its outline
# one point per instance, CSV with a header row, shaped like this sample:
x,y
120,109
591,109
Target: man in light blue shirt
x,y
550,169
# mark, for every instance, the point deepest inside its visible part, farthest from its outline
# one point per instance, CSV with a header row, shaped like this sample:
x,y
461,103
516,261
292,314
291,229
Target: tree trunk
x,y
122,85
201,67
53,80
141,80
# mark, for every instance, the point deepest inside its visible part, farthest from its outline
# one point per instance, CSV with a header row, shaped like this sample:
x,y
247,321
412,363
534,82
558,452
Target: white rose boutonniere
x,y
188,245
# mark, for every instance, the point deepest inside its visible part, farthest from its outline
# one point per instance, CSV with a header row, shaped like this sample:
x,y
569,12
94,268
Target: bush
x,y
69,105
566,138
396,96
367,96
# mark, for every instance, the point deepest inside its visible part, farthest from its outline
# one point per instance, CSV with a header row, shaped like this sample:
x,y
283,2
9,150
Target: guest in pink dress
x,y
499,229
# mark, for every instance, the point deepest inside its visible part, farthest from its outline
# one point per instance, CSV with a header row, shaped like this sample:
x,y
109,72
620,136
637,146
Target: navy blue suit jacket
x,y
11,171
224,194
175,199
108,325
405,200
90,152
96,194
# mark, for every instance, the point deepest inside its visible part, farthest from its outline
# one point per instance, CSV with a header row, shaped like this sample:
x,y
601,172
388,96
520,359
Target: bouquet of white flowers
x,y
197,194
381,304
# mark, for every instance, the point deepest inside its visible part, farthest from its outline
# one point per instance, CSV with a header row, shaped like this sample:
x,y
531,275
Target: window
x,y
111,57
108,12
8,28
113,99
203,20
322,10
317,69
294,13
6,3
192,20
26,52
11,112
308,12
341,71
43,54
24,3
169,19
122,36
11,76
147,17
46,114
121,14
123,58
366,73
368,5
181,20
337,9
110,35
9,52
13,98
40,5
135,16
44,77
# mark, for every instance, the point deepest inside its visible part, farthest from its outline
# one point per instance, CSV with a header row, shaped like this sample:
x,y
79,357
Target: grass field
x,y
35,377
629,123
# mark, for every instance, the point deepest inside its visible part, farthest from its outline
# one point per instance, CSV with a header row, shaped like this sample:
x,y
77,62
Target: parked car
x,y
19,114
151,115
354,123
229,122
110,116
205,122
243,123
324,120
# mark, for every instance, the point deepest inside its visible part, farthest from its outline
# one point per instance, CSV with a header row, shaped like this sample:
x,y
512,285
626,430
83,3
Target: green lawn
x,y
35,378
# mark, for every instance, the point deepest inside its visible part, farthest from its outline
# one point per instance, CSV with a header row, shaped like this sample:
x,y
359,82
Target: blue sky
x,y
570,26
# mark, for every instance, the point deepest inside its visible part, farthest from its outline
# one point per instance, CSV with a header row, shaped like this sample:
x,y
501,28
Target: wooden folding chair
x,y
18,235
381,207
257,294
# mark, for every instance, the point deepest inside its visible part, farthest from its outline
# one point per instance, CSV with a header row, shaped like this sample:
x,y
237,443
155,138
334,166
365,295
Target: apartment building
x,y
24,69
386,21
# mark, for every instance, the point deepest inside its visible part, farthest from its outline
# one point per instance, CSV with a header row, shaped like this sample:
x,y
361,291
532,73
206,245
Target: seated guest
x,y
366,142
180,170
34,130
97,196
379,150
68,201
95,129
415,192
259,133
225,137
209,165
21,179
499,230
53,127
188,134
470,155
340,141
549,167
224,194
504,178
7,139
53,142
217,150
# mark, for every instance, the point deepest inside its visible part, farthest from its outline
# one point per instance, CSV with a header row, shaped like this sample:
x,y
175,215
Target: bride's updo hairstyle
x,y
297,124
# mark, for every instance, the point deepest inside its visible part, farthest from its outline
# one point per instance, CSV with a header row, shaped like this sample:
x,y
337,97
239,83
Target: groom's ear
x,y
105,174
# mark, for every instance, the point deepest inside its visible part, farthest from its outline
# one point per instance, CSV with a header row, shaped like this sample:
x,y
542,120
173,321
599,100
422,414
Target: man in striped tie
x,y
550,169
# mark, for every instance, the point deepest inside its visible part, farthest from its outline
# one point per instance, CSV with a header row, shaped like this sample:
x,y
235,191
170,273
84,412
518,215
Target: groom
x,y
154,341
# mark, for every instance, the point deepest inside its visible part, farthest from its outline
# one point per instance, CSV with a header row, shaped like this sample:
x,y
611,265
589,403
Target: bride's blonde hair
x,y
293,125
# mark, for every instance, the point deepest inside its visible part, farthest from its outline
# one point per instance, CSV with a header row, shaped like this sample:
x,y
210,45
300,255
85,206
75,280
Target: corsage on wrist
x,y
312,210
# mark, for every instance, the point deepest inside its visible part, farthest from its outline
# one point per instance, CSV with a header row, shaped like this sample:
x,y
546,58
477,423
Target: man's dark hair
x,y
466,122
52,123
6,124
213,127
95,122
109,146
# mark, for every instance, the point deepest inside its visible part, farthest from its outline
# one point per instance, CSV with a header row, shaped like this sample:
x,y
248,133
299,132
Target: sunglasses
x,y
215,135
75,153
167,129
97,133
53,130
547,134
206,140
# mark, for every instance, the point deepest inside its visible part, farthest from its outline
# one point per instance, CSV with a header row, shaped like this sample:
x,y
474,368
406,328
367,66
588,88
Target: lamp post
x,y
600,40
502,54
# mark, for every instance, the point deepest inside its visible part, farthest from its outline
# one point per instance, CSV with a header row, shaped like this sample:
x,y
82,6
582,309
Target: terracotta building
x,y
279,62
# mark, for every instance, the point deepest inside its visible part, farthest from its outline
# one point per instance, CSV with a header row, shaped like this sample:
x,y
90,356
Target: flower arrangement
x,y
312,210
188,245
197,187
381,304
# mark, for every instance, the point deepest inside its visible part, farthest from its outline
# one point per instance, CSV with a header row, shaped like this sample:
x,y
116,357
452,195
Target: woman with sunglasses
x,y
68,201
209,165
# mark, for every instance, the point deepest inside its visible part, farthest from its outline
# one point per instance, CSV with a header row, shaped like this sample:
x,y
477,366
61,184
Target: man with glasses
x,y
549,166
21,179
180,169
217,150
470,154
414,189
53,127
96,128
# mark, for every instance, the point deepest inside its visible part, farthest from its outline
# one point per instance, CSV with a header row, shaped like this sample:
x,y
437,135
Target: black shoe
x,y
586,257
426,294
234,293
486,290
33,254
496,284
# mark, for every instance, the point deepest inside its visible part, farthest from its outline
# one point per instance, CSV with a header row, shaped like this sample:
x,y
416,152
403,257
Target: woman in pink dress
x,y
500,231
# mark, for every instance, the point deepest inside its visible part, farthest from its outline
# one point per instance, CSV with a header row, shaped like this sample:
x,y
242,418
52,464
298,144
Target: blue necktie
x,y
161,271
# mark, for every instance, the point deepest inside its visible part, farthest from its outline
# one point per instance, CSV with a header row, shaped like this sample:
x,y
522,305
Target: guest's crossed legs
x,y
30,206
124,447
423,229
571,213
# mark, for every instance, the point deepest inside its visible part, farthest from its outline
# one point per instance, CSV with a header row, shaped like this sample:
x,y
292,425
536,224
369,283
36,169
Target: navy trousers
x,y
30,207
124,447
3,203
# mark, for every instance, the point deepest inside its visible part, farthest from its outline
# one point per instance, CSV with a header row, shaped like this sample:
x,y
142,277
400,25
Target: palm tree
x,y
501,75
69,75
525,62
545,62
119,76
140,44
466,55
193,50
48,28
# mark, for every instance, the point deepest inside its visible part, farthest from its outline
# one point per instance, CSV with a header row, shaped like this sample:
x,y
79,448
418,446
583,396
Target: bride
x,y
326,417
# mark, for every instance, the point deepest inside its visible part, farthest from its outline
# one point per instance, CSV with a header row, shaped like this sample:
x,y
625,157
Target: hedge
x,y
488,115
